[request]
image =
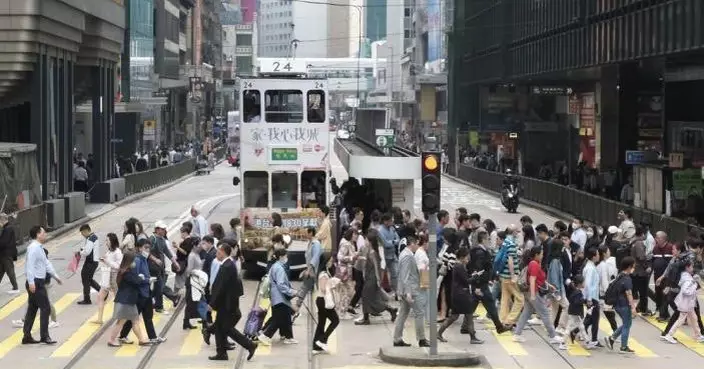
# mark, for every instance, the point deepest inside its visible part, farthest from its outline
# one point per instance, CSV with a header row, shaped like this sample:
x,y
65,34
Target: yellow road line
x,y
132,350
641,351
265,304
16,339
83,334
505,340
193,343
13,305
681,336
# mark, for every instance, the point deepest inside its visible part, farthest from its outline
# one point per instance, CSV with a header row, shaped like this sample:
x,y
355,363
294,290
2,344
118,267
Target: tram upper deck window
x,y
313,189
251,106
283,106
284,190
316,106
256,189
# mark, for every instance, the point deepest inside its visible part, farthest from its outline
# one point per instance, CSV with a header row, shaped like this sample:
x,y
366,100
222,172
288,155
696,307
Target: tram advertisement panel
x,y
284,144
258,227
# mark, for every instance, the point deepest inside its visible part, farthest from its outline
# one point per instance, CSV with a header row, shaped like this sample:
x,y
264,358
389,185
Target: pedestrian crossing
x,y
189,343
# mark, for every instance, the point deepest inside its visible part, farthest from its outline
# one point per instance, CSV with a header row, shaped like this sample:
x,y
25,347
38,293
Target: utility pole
x,y
457,153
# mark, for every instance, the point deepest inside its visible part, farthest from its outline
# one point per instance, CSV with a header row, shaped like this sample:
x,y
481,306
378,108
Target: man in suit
x,y
409,290
224,298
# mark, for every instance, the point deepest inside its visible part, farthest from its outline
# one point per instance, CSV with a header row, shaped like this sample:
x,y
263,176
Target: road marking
x,y
13,305
193,342
265,304
641,351
83,334
16,339
505,340
132,350
682,337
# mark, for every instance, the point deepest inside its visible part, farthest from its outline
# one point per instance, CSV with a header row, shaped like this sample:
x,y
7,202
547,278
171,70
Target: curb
x,y
552,211
58,232
420,358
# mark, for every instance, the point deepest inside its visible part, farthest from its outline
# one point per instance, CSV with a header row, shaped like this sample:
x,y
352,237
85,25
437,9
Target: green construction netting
x,y
19,176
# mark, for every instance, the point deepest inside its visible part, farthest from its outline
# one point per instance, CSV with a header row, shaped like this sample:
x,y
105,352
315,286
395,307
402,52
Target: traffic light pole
x,y
432,305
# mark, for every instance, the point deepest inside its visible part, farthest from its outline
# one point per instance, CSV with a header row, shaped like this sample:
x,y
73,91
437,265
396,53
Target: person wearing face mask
x,y
579,234
662,254
591,295
281,295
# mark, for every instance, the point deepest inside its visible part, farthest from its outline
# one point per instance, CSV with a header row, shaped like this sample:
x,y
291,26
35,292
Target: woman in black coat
x,y
461,300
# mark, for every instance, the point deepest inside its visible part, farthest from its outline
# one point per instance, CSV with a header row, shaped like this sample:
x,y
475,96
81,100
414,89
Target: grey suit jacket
x,y
408,274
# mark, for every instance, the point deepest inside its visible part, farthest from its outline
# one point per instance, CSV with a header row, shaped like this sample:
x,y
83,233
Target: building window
x,y
406,12
243,40
406,34
283,106
316,106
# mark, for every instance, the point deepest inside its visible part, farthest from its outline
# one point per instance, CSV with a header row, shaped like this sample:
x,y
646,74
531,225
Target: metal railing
x,y
149,179
592,208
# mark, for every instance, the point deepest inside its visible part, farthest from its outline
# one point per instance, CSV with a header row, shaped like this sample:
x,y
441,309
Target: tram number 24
x,y
277,67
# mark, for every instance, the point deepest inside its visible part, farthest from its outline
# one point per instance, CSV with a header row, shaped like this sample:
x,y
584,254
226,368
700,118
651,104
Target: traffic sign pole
x,y
432,255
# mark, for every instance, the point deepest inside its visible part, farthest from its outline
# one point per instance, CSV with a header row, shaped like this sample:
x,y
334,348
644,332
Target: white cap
x,y
614,230
160,224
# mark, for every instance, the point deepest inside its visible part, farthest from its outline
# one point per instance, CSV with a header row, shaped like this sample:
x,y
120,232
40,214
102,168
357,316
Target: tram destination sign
x,y
284,154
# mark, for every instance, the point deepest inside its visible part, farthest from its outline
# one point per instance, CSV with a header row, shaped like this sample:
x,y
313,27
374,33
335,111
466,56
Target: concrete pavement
x,y
351,347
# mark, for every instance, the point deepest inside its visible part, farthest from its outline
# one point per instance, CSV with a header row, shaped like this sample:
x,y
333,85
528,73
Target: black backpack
x,y
612,292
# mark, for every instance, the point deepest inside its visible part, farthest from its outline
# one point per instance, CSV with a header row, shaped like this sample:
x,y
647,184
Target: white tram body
x,y
284,149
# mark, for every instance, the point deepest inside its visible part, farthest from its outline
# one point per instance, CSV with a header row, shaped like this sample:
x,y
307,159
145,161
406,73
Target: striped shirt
x,y
512,252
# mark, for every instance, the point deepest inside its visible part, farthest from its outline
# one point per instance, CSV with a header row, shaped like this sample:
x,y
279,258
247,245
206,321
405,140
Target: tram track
x,y
145,361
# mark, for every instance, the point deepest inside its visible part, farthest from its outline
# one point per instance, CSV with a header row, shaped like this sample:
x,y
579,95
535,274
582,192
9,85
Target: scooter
x,y
509,198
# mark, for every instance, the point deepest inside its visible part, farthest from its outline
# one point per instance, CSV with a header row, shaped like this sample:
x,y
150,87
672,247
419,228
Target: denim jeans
x,y
625,329
537,306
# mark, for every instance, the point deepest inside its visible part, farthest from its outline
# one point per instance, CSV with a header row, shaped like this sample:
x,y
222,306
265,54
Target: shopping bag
x,y
73,265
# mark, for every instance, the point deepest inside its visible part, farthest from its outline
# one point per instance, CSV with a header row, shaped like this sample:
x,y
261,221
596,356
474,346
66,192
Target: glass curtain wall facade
x,y
141,48
375,22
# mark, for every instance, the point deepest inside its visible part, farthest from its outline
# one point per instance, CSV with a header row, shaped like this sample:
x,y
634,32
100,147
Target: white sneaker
x,y
290,341
670,339
561,331
18,323
556,340
264,340
700,339
323,346
592,345
535,321
562,346
518,338
53,324
13,292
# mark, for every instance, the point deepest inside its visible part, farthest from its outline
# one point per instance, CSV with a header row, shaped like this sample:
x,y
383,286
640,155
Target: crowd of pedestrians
x,y
205,263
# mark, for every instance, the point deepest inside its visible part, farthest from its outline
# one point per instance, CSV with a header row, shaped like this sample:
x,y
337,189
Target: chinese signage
x,y
551,90
294,144
259,229
284,154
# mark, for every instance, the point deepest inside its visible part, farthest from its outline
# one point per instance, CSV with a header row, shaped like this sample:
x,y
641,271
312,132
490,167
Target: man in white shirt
x,y
38,269
200,225
90,252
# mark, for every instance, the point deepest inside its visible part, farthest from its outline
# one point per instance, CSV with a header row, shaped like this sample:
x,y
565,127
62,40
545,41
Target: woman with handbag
x,y
182,252
109,265
346,256
374,298
325,303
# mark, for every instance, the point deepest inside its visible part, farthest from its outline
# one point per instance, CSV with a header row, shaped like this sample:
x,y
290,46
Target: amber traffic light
x,y
430,182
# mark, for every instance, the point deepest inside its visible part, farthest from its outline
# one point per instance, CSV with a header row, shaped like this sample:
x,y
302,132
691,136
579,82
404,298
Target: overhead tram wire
x,y
146,359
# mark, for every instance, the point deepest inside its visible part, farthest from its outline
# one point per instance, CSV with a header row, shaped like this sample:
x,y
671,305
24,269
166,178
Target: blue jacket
x,y
129,288
141,266
390,239
281,291
555,276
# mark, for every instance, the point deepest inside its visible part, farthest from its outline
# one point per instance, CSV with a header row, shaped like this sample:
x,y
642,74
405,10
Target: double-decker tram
x,y
284,159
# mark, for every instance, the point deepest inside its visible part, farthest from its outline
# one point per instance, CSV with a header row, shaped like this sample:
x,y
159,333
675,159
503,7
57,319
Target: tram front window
x,y
283,106
251,106
284,190
256,189
316,106
313,192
